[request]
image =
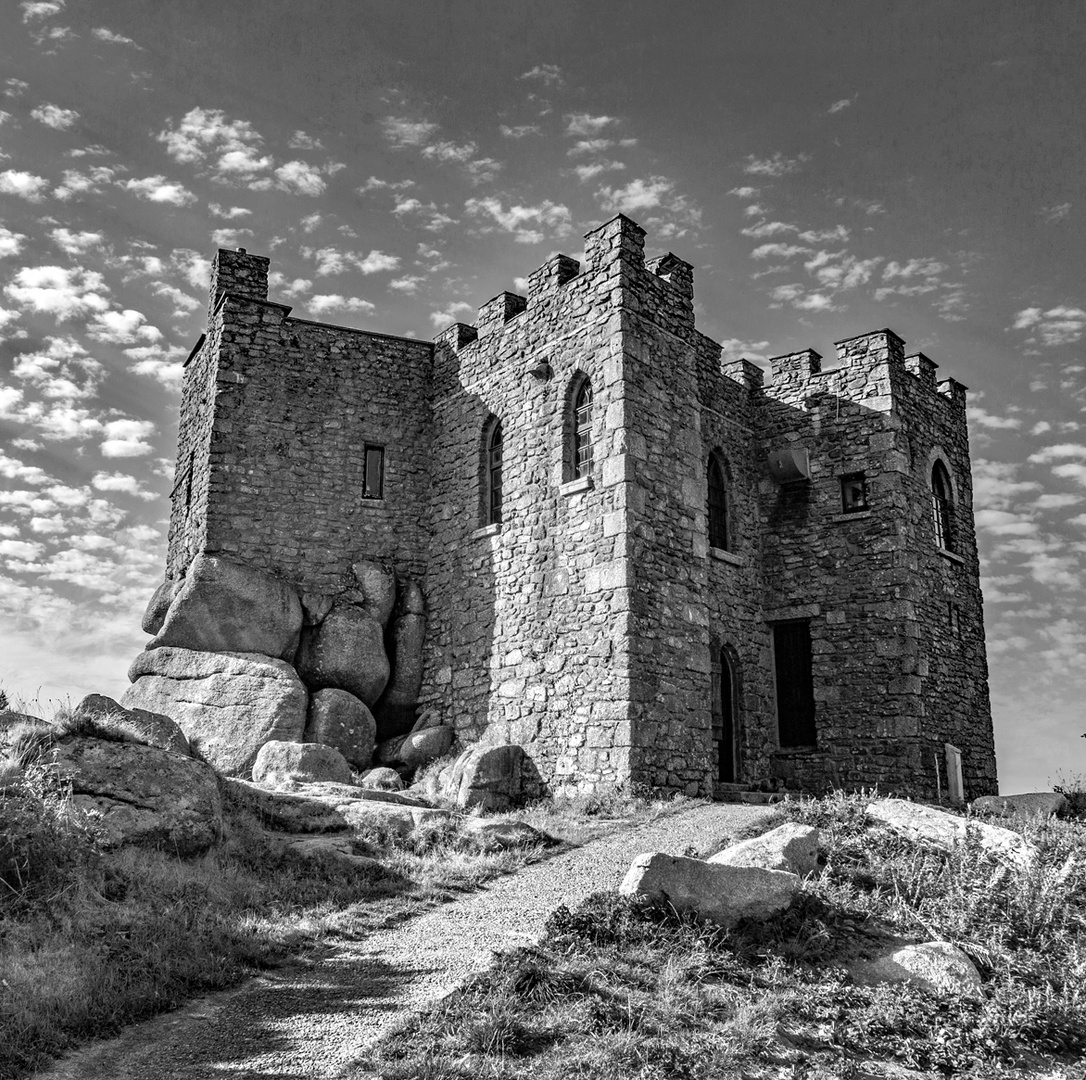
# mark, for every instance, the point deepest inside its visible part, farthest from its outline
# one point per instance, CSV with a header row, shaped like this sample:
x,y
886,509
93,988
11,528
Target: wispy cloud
x,y
25,185
528,224
1060,325
837,106
55,117
548,74
774,166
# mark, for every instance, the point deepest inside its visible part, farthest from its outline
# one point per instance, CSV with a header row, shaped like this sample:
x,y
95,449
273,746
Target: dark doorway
x,y
795,684
724,717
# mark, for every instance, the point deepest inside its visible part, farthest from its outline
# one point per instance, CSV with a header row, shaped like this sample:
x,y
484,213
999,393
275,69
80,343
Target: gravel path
x,y
310,1020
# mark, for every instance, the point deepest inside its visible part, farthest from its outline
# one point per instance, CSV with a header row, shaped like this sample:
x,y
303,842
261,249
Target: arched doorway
x,y
724,716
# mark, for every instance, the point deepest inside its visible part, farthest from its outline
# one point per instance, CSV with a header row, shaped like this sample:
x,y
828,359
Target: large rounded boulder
x,y
283,764
337,718
227,704
346,652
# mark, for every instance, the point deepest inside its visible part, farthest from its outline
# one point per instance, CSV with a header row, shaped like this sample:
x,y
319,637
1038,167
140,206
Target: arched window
x,y
492,474
581,424
717,505
941,506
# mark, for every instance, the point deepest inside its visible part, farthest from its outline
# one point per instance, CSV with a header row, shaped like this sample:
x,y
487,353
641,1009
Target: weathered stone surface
x,y
158,605
400,820
1031,804
336,849
792,847
346,652
428,718
145,795
396,709
935,965
722,894
337,718
284,764
381,779
499,835
374,591
227,704
11,721
487,777
415,749
113,720
411,600
927,825
315,606
223,606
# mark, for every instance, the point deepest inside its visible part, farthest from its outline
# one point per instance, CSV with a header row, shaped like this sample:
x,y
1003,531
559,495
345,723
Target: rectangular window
x,y
374,480
853,493
795,684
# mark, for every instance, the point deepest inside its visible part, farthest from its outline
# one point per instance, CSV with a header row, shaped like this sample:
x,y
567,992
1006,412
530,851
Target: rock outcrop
x,y
487,777
1030,804
144,795
416,748
111,720
934,965
227,704
223,606
721,894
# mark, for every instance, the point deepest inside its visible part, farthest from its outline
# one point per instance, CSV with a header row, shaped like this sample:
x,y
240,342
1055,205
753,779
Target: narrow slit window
x,y
853,493
494,475
374,479
795,684
941,507
718,506
582,431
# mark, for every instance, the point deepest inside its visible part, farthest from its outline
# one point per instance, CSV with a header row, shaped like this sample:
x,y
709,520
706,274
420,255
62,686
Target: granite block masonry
x,y
638,563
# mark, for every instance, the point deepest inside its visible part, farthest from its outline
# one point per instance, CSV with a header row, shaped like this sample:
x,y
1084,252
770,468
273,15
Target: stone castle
x,y
640,564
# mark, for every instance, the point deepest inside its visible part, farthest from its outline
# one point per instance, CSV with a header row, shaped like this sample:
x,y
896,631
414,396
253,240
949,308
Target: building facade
x,y
641,564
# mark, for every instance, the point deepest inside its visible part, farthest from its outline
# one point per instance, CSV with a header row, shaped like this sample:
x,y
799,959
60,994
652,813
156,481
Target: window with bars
x,y
717,505
941,506
582,430
373,478
492,471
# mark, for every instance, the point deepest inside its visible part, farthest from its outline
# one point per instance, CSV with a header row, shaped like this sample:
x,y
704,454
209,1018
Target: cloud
x,y
11,243
25,185
528,224
122,328
102,34
231,214
75,182
744,192
1057,452
408,285
23,550
589,172
585,124
768,228
158,189
927,268
74,243
519,131
548,74
126,438
59,291
375,184
13,469
590,146
318,305
779,251
483,170
117,481
451,314
1052,214
637,195
1003,523
449,151
332,261
992,422
301,141
1062,325
61,369
15,88
41,9
164,365
775,166
55,117
737,349
402,132
837,106
300,178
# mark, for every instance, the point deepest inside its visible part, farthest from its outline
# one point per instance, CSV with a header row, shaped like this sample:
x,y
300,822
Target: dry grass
x,y
617,991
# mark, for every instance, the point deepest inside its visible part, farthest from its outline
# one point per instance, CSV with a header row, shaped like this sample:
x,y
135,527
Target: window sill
x,y
794,751
574,487
951,557
487,530
852,515
725,556
367,501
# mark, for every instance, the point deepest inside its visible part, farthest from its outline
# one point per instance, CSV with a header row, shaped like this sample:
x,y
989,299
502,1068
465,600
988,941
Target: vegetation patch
x,y
616,990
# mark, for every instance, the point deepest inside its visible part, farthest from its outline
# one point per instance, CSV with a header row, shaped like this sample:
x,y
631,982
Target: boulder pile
x,y
241,659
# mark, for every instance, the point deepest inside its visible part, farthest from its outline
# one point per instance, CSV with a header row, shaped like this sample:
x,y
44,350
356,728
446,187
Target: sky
x,y
829,167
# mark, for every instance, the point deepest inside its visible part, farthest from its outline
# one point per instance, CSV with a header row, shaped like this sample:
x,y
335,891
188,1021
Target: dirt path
x,y
312,1019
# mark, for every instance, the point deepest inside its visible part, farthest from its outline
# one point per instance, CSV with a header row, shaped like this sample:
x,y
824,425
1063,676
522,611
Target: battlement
x,y
239,274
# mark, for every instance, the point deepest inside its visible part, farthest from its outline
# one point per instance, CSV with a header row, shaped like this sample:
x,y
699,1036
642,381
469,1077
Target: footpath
x,y
310,1020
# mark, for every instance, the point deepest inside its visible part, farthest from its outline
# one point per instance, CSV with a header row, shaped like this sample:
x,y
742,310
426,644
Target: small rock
x,y
338,849
942,830
113,721
792,847
499,835
487,777
337,718
935,965
722,894
159,604
282,764
381,779
346,652
1031,804
415,749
